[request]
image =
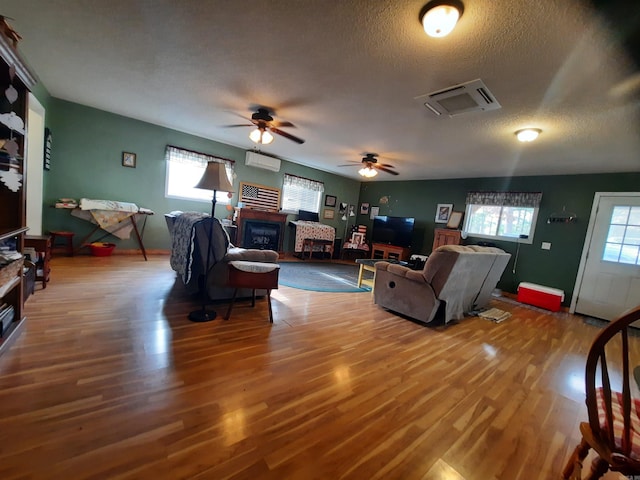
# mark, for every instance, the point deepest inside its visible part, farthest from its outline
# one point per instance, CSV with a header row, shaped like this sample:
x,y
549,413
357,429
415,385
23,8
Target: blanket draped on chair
x,y
183,244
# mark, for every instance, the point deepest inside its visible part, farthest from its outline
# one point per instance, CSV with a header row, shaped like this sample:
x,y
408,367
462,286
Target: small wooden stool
x,y
67,237
310,242
253,275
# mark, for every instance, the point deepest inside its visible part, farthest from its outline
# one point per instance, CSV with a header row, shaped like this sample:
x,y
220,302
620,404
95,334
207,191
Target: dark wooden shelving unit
x,y
13,203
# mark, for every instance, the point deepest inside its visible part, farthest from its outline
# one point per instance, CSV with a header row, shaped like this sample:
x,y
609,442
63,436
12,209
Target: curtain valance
x,y
507,199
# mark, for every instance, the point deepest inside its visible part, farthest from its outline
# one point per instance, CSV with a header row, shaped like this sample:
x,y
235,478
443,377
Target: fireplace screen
x,y
261,235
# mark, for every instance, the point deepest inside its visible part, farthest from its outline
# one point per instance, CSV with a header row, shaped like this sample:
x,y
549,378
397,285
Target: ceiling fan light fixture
x,y
439,18
262,136
368,172
528,134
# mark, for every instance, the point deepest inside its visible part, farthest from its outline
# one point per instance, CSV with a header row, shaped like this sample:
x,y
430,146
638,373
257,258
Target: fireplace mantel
x,y
245,214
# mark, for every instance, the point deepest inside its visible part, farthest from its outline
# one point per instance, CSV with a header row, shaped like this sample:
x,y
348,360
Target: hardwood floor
x,y
109,379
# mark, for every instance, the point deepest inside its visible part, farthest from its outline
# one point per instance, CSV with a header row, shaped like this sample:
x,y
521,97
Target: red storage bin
x,y
540,296
100,249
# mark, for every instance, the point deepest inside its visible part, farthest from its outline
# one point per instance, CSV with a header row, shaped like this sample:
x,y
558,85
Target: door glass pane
x,y
634,217
611,252
620,215
616,233
629,254
632,237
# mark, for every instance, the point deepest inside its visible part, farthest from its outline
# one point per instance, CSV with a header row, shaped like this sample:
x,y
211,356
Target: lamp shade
x,y
215,178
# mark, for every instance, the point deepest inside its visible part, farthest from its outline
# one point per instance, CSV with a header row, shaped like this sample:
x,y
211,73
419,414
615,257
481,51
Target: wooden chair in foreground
x,y
613,430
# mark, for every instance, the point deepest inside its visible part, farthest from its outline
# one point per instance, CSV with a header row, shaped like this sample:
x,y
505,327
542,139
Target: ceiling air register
x,y
464,98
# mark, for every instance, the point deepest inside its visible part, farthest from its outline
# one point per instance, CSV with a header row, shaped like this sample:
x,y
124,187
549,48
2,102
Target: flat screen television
x,y
396,231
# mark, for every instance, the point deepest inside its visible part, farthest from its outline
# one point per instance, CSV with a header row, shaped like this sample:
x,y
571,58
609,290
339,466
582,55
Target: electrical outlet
x,y
546,246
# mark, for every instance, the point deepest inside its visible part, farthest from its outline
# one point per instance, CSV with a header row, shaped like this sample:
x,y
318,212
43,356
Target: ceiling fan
x,y
263,120
370,166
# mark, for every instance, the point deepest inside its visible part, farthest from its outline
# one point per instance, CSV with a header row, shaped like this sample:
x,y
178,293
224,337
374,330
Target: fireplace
x,y
261,235
260,229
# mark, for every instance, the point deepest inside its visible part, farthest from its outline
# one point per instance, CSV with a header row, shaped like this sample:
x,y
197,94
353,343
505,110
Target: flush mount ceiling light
x,y
260,135
439,17
528,134
368,172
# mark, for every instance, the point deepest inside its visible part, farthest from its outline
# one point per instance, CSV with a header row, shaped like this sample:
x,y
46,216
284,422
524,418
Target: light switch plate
x,y
546,246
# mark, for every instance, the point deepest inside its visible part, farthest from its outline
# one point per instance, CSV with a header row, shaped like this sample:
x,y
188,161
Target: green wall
x,y
556,267
86,162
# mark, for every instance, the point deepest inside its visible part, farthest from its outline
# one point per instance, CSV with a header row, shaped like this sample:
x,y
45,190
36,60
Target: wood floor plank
x,y
109,379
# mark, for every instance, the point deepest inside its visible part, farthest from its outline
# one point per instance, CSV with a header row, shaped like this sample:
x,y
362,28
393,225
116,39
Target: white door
x,y
610,282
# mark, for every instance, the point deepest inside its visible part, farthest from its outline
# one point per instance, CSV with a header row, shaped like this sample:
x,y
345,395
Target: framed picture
x,y
47,149
352,210
364,209
443,212
357,238
328,213
330,201
454,220
375,211
128,159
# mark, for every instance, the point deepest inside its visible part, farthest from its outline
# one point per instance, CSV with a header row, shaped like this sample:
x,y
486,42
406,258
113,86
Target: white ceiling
x,y
345,73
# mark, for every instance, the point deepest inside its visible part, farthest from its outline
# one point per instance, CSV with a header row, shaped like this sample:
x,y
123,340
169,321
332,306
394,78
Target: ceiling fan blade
x,y
277,123
392,172
286,135
353,164
237,125
386,165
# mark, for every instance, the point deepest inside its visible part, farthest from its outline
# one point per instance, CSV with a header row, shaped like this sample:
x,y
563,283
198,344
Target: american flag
x,y
259,197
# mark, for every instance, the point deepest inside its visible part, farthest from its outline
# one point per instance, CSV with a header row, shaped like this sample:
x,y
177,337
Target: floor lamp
x,y
214,178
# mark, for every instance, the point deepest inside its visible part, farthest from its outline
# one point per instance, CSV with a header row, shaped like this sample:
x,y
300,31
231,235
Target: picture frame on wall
x,y
443,212
328,213
129,159
330,201
48,139
364,209
455,219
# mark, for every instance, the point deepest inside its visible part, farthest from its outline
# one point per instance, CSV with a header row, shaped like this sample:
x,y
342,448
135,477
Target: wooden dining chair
x,y
613,429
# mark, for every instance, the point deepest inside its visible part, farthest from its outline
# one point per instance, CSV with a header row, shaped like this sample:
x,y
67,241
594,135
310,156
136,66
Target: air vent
x,y
256,160
464,98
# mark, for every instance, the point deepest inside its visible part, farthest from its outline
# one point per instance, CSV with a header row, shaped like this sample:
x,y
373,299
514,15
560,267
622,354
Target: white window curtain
x,y
301,193
184,169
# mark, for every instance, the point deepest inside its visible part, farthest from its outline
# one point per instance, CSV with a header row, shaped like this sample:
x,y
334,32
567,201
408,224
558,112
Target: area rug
x,y
320,276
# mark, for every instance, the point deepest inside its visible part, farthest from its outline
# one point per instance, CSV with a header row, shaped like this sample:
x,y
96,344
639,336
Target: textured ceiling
x,y
346,74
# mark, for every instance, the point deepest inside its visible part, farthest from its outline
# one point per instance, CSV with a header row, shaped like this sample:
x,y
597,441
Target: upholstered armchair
x,y
455,280
189,240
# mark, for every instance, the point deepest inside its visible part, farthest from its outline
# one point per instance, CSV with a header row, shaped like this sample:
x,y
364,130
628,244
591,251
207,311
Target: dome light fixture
x,y
439,17
528,134
260,135
368,172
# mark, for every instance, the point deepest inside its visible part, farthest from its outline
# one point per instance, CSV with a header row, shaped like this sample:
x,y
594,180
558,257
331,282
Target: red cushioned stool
x,y
67,238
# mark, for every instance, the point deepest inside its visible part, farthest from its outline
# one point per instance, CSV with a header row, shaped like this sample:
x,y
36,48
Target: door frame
x,y
589,237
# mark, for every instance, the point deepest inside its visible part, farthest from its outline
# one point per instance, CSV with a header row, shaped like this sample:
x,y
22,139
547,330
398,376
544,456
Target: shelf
x,y
11,232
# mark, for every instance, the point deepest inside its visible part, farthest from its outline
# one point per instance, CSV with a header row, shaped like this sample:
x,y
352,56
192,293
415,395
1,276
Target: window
x,y
509,216
301,194
623,238
184,169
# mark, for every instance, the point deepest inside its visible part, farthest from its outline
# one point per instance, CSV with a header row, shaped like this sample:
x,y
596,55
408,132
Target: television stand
x,y
384,251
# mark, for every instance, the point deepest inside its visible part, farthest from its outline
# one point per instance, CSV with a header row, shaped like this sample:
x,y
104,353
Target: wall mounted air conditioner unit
x,y
257,160
467,97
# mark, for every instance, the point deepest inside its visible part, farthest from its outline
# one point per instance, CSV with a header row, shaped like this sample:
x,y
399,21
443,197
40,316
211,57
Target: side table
x,y
42,245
